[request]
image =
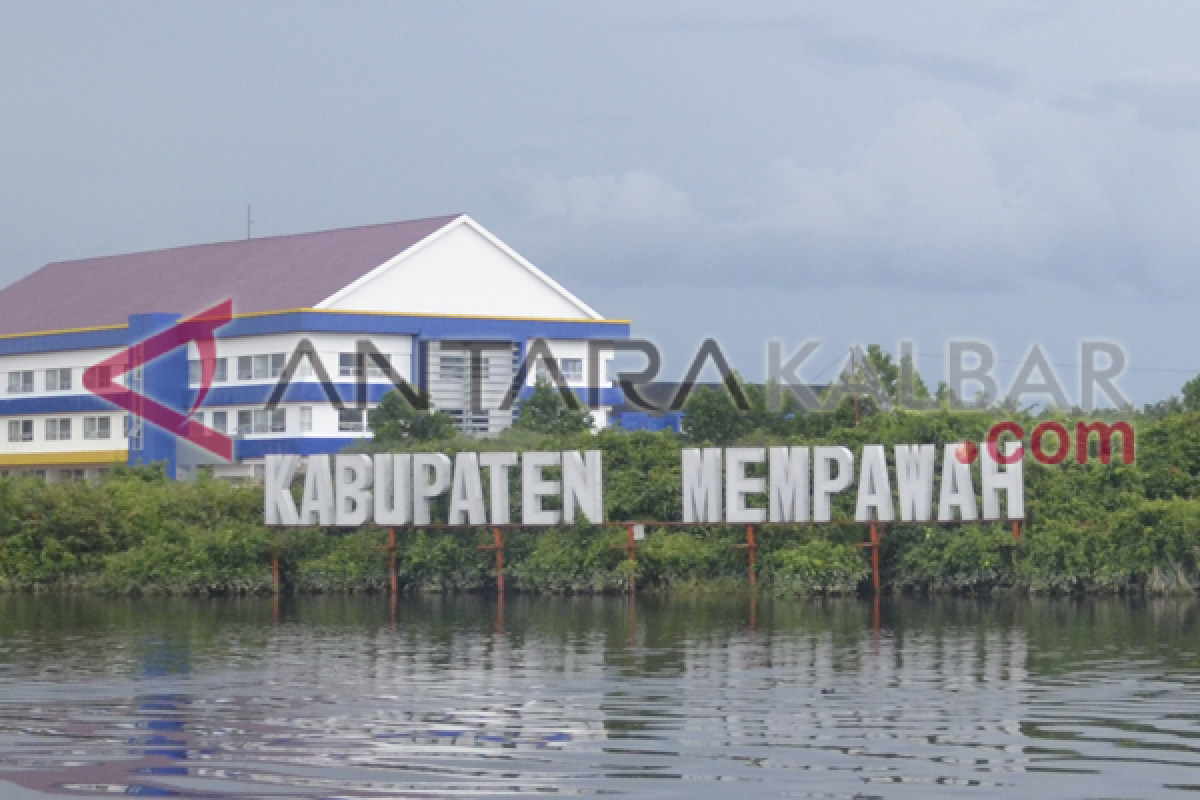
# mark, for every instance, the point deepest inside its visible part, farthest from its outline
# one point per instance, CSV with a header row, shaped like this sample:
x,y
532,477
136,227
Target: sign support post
x,y
498,547
875,556
393,578
751,548
630,548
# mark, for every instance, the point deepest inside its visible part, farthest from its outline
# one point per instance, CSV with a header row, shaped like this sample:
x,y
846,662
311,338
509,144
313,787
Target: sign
x,y
719,486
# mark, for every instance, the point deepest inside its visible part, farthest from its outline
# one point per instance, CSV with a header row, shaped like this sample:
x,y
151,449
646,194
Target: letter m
x,y
1083,432
702,485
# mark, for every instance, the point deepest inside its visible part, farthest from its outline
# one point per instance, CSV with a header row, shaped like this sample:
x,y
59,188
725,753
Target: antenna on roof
x,y
248,221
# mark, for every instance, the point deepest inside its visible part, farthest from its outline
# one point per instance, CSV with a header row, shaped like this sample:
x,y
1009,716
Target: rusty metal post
x,y
393,578
631,552
497,545
498,538
275,572
1016,529
875,555
751,547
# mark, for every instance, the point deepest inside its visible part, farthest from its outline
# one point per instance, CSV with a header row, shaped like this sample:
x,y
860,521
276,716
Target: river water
x,y
462,697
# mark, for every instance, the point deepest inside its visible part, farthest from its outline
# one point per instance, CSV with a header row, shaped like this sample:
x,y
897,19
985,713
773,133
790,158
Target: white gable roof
x,y
460,270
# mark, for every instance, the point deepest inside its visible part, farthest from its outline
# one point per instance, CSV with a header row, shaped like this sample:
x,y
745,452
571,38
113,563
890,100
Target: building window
x,y
103,377
198,417
348,365
572,369
245,368
245,423
220,421
376,371
277,360
350,419
261,368
455,367
196,371
58,380
97,427
20,430
20,382
58,430
306,419
260,421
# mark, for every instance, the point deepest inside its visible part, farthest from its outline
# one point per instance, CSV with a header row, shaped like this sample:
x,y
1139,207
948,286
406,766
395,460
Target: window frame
x,y
23,429
58,429
54,379
571,375
95,428
352,371
23,383
345,426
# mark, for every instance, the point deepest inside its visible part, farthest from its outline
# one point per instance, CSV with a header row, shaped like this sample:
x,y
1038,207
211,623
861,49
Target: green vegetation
x,y
1090,528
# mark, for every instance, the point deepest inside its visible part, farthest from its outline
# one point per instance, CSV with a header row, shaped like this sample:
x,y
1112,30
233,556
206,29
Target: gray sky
x,y
853,171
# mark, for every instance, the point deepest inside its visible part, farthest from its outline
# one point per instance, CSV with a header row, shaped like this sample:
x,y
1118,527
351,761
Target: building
x,y
419,292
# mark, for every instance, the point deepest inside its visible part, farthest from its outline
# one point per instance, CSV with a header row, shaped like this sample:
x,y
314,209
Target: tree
x,y
891,375
395,421
545,411
1191,394
711,417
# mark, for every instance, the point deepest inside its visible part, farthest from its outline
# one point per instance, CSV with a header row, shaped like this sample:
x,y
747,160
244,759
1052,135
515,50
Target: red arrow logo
x,y
98,379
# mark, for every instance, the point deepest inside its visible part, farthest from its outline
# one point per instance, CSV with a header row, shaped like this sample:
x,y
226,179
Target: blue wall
x,y
642,421
162,379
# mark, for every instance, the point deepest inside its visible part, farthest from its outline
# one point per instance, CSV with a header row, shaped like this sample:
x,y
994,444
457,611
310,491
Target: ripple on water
x,y
198,700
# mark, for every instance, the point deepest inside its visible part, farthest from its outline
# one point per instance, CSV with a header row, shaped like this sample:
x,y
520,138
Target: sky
x,y
852,172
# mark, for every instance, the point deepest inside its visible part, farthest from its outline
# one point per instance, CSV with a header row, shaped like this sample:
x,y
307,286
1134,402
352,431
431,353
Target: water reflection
x,y
432,697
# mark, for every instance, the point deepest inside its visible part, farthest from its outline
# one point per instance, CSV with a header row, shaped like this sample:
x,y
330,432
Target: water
x,y
457,697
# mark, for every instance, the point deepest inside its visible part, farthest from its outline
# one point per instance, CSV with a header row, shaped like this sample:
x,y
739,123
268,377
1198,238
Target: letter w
x,y
914,478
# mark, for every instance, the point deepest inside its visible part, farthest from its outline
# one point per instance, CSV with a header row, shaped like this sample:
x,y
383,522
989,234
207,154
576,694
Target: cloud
x,y
1169,99
836,42
923,198
944,65
588,201
934,201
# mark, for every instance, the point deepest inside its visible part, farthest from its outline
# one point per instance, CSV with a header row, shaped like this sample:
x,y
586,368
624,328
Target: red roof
x,y
270,274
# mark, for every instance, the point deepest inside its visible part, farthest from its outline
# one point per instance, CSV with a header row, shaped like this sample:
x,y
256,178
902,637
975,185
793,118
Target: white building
x,y
421,293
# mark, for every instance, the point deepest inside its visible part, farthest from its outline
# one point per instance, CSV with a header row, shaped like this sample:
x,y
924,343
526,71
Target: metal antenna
x,y
248,221
854,372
